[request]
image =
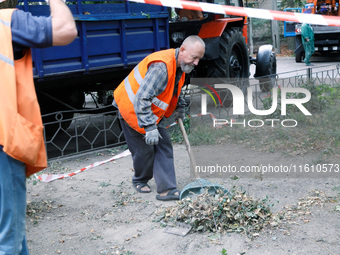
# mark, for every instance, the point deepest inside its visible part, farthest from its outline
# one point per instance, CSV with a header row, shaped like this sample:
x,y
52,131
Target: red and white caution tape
x,y
52,177
247,12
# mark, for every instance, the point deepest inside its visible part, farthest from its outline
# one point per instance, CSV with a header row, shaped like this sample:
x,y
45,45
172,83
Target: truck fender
x,y
265,61
211,33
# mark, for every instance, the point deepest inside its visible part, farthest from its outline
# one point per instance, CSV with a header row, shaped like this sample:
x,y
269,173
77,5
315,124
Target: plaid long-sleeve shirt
x,y
154,83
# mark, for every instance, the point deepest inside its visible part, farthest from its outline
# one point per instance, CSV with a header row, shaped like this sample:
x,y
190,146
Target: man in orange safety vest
x,y
149,93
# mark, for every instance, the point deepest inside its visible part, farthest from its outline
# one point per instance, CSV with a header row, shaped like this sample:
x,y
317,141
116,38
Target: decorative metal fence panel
x,y
87,132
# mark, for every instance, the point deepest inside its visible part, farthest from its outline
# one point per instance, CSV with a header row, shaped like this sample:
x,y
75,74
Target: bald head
x,y
192,40
190,53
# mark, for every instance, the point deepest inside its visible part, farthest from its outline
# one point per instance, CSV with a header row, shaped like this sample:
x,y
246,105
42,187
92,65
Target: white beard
x,y
187,68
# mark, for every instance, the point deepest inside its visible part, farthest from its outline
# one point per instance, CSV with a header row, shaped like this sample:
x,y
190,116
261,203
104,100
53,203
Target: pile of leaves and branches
x,y
221,213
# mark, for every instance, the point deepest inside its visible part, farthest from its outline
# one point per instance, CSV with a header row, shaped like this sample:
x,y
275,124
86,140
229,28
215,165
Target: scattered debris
x,y
37,210
301,211
124,199
238,212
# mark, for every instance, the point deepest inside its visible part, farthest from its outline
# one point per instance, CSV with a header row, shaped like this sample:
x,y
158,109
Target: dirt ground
x,y
98,211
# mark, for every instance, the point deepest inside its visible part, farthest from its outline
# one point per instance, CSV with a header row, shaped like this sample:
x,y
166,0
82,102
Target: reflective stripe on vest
x,y
6,60
139,79
2,57
4,22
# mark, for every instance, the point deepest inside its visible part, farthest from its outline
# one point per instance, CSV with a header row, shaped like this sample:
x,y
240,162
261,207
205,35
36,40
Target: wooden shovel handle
x,y
186,140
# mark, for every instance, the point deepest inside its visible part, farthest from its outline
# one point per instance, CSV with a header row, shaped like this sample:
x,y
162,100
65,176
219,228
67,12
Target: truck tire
x,y
232,63
268,83
266,68
299,50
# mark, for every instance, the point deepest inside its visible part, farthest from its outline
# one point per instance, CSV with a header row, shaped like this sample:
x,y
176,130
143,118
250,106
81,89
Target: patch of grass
x,y
204,135
317,133
322,97
175,132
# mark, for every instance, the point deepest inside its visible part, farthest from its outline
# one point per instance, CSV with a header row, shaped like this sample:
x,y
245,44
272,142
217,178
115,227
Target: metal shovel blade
x,y
200,186
181,229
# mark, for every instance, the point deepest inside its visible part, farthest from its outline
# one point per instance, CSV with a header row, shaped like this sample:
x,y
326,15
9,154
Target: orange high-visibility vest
x,y
162,105
21,128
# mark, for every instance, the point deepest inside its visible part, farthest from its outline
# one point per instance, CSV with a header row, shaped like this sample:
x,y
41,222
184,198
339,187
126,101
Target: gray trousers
x,y
151,161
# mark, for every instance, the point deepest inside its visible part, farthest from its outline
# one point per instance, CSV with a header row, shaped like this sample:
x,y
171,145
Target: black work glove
x,y
179,113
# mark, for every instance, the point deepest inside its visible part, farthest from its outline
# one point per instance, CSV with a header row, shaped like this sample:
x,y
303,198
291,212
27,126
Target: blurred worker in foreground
x,y
307,36
22,149
149,93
